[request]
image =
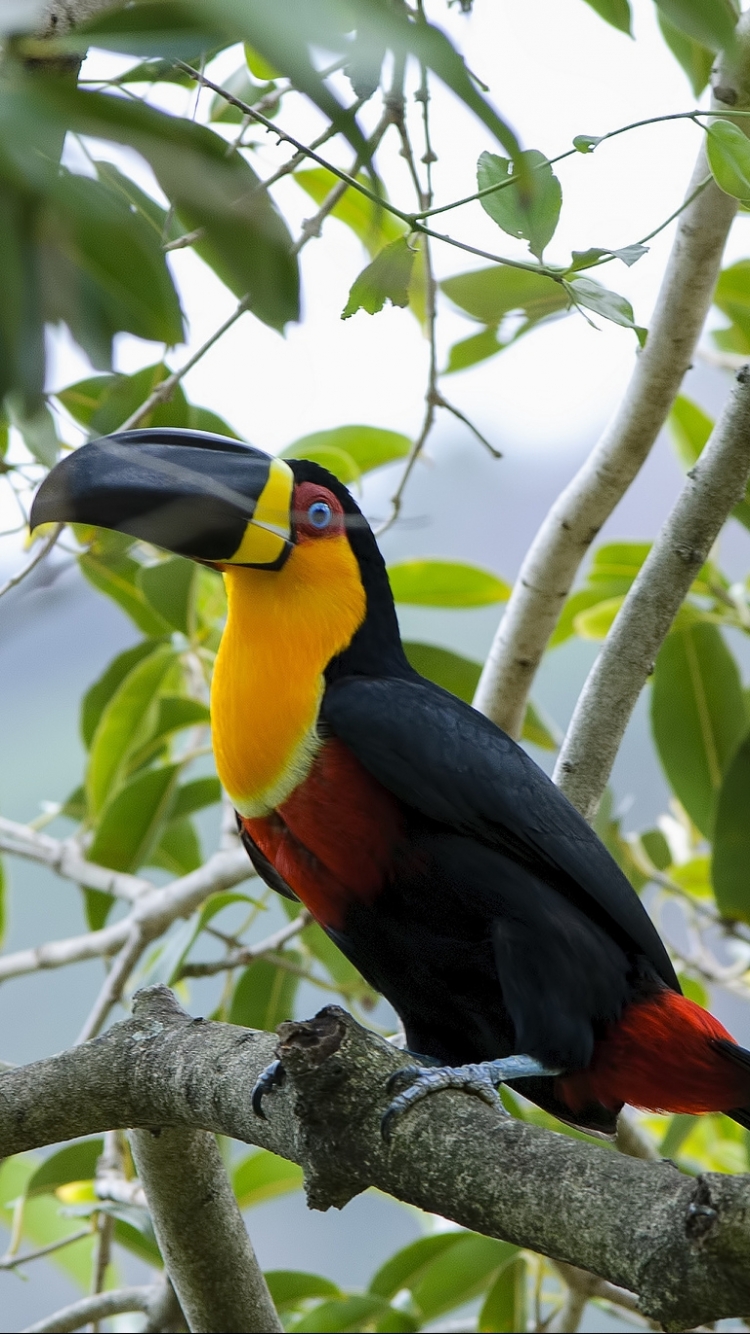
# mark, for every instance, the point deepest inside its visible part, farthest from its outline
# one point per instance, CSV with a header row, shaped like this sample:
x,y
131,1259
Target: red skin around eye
x,y
305,495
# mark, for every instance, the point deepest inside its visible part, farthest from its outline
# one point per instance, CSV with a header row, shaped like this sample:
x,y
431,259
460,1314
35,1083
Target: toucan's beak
x,y
195,494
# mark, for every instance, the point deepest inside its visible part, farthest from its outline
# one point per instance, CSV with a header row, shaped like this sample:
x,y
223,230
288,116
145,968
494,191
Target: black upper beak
x,y
193,493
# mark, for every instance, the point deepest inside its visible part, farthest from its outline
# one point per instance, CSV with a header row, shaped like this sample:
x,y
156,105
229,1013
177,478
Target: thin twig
x,y
39,555
14,1261
98,1307
163,390
114,983
249,953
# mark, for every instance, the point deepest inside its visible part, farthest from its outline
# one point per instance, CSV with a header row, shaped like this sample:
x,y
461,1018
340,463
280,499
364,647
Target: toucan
x,y
434,852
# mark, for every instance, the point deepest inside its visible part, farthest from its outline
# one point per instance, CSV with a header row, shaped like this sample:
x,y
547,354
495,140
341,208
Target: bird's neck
x,y
283,628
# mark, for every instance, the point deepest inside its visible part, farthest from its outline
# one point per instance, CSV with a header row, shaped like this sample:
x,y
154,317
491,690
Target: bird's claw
x,y
272,1077
417,1083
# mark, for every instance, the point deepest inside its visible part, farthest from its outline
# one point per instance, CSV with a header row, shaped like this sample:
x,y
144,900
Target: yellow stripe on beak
x,y
270,529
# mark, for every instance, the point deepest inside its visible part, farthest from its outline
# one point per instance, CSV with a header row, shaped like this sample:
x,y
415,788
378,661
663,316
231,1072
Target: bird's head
x,y
231,506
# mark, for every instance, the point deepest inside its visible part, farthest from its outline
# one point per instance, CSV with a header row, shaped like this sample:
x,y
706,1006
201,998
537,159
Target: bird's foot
x,y
271,1078
414,1083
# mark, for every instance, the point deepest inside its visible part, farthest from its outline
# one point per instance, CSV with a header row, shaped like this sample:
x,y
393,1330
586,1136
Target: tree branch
x,y
714,486
64,857
153,912
550,566
680,1243
99,1307
201,1235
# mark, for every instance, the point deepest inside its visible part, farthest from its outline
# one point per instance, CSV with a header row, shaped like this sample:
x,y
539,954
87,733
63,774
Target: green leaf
x,y
407,1266
732,296
728,153
241,86
100,693
244,238
75,1162
386,279
196,795
590,295
83,398
341,1313
37,429
202,419
731,850
264,995
264,1176
133,819
450,1281
138,1237
656,848
677,1132
374,226
698,717
447,669
696,59
444,583
470,351
116,576
539,730
126,722
110,272
710,24
504,1308
530,213
490,294
616,12
258,67
364,447
586,143
290,1287
168,587
178,850
690,427
596,622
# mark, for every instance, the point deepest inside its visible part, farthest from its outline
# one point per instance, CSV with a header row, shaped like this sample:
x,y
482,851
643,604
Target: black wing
x,y
441,757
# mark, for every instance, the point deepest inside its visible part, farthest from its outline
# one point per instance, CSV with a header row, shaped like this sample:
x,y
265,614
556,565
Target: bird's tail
x,y
741,1057
665,1054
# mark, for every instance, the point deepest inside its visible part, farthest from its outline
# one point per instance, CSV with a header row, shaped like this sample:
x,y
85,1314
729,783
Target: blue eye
x,y
319,515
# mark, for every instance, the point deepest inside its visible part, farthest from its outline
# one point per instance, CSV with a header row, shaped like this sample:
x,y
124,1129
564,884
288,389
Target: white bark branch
x,y
64,858
713,488
153,912
98,1307
550,566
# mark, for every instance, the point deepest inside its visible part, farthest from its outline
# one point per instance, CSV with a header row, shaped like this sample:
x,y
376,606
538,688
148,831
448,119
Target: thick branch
x,y
201,1235
550,566
681,1244
714,486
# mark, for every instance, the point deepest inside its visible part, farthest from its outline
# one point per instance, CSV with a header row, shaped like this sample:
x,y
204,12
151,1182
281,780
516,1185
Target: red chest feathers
x,y
332,841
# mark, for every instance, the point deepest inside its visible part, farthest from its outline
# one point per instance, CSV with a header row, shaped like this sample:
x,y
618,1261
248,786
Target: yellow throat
x,y
283,628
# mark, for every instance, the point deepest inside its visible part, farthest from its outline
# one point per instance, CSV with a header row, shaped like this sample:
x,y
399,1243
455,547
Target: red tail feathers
x,y
661,1057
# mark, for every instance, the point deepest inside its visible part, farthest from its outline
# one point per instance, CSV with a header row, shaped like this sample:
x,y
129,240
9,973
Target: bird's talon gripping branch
x,y
481,1079
272,1077
403,1077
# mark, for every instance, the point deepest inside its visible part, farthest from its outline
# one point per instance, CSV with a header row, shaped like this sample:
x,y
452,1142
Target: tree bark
x,y
714,486
553,559
681,1244
201,1235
